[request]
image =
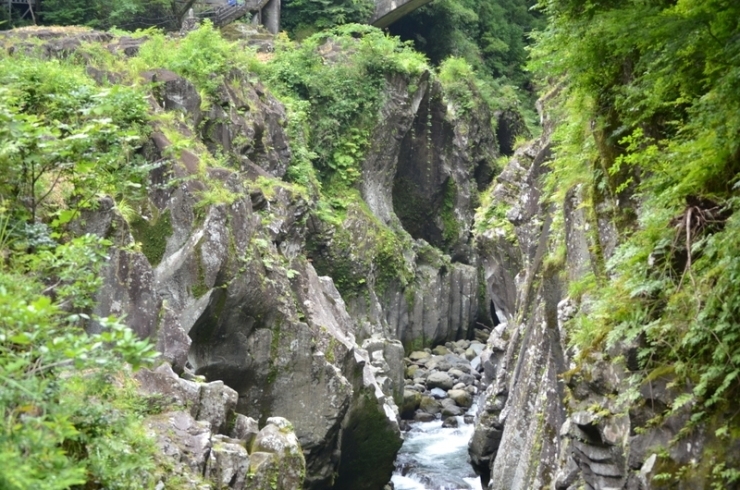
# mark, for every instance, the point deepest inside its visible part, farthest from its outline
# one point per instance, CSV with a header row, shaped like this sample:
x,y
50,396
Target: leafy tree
x,y
305,17
71,418
65,422
490,34
62,137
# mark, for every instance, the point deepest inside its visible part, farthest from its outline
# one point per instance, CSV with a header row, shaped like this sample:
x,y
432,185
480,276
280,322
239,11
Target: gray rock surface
x,y
200,455
545,421
439,380
228,463
286,466
514,445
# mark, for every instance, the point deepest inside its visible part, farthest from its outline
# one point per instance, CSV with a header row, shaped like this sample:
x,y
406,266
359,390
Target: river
x,y
436,458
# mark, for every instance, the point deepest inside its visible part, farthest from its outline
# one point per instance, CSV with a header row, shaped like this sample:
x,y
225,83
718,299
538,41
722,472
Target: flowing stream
x,y
436,458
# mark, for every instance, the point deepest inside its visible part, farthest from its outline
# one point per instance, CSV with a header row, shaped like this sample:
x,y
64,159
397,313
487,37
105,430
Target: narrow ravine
x,y
441,390
434,457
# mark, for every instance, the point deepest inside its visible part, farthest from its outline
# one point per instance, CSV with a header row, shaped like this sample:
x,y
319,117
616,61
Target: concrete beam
x,y
389,11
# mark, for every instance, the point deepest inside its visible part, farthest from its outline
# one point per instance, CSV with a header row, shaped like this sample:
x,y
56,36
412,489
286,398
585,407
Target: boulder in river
x,y
449,408
411,402
461,397
419,356
440,380
429,405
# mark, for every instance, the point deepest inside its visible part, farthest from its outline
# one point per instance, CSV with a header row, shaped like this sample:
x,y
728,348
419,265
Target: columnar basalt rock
x,y
419,148
190,431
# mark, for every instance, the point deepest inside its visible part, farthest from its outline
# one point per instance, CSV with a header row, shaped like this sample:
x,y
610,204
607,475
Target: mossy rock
x,y
369,447
153,235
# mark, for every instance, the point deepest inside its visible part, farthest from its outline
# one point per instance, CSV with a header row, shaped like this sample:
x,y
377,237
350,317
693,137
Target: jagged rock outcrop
x,y
515,441
420,178
226,289
192,430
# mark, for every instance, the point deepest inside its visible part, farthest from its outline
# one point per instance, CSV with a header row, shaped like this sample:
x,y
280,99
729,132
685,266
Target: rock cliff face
x,y
227,290
548,419
420,179
233,274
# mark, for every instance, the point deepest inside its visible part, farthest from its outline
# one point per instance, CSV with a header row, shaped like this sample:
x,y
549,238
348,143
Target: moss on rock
x,y
369,447
153,235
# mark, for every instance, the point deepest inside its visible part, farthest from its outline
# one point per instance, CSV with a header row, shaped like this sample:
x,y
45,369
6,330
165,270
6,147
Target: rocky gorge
x,y
306,320
230,292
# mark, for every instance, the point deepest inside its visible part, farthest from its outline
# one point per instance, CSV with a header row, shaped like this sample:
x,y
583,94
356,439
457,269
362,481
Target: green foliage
x,y
202,56
63,139
457,77
103,14
305,17
338,76
70,419
651,115
490,34
66,422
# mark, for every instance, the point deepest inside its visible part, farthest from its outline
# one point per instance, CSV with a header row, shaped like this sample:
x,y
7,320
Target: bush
x,y
67,413
305,17
63,139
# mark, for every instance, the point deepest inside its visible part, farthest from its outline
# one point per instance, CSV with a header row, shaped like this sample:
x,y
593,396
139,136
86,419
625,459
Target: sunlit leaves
x,y
61,137
59,413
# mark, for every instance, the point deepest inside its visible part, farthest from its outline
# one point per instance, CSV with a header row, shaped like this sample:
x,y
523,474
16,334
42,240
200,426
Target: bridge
x,y
389,11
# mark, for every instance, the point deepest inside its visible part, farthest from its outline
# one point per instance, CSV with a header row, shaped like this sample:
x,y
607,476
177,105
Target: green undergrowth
x,y
63,140
650,119
303,18
491,215
466,89
71,417
336,78
203,56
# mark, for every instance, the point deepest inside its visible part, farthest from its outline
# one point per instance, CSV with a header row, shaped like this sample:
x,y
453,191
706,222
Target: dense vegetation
x,y
66,142
491,35
647,99
649,108
70,416
305,17
101,14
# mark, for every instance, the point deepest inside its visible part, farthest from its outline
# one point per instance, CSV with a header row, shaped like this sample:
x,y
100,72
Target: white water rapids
x,y
436,458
